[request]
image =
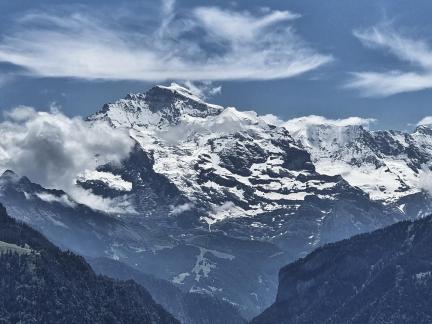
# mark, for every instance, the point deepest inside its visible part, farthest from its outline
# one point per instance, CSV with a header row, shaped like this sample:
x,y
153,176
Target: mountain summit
x,y
158,107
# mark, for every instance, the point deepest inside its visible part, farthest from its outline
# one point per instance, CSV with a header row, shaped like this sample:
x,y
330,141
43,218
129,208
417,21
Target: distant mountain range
x,y
222,198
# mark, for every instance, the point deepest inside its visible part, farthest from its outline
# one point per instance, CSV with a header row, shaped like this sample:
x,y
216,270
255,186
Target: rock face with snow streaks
x,y
215,199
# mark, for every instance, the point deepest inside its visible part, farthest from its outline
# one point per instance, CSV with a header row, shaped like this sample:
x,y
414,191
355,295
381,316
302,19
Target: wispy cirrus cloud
x,y
417,53
206,43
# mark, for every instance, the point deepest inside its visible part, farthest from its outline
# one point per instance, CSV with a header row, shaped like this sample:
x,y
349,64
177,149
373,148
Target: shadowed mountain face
x,y
382,277
41,284
190,308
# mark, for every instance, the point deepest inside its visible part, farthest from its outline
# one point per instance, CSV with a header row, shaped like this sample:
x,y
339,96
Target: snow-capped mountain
x,y
230,163
229,176
215,199
388,165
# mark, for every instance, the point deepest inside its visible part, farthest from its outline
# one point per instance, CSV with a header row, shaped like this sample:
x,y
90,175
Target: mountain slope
x,y
189,308
240,174
388,165
382,277
41,284
62,220
200,262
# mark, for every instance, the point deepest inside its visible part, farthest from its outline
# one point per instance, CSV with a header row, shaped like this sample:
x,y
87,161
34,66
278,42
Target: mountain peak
x,y
159,106
9,173
10,176
179,90
172,90
423,129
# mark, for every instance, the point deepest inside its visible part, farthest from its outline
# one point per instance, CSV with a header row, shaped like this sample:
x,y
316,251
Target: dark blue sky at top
x,y
327,26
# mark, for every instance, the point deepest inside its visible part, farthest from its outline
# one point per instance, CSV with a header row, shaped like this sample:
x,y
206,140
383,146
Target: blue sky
x,y
291,58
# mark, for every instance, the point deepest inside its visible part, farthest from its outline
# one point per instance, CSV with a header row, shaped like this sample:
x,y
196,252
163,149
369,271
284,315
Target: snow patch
x,y
180,278
112,181
180,209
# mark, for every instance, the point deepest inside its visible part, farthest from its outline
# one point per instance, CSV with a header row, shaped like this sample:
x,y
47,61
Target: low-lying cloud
x,y
425,180
52,149
205,43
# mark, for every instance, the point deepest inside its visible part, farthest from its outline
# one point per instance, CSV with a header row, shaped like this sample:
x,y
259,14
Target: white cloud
x,y
168,7
272,119
381,84
425,179
203,89
226,45
180,209
238,26
300,123
52,149
218,213
64,199
373,84
297,124
425,121
20,113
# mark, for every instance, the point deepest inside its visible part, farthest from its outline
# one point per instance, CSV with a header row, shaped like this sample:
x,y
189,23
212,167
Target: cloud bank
x,y
206,43
417,53
52,149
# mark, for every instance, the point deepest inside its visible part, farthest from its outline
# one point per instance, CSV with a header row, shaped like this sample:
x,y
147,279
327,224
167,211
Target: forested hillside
x,y
41,284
